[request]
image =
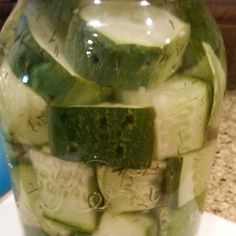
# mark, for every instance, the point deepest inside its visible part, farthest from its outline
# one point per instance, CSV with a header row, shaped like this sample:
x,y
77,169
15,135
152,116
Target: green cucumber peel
x,y
46,72
108,137
107,58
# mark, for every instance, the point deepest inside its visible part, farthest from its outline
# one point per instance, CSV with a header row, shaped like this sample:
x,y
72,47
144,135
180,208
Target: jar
x,y
110,112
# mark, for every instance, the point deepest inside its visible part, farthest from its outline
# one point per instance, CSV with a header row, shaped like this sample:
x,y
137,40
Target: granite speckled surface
x,y
221,199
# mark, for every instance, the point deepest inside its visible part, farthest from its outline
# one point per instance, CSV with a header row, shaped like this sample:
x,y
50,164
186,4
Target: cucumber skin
x,y
218,80
203,28
28,181
171,185
26,58
47,77
125,192
118,137
119,66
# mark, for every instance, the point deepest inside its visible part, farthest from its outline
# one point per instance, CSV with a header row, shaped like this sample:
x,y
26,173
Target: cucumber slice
x,y
126,224
129,190
35,68
187,176
183,221
22,111
29,206
66,191
116,135
47,74
203,29
195,173
218,79
45,33
125,45
48,36
182,106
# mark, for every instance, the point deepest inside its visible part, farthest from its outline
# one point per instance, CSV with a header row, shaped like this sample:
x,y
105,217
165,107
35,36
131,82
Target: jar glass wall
x,y
110,112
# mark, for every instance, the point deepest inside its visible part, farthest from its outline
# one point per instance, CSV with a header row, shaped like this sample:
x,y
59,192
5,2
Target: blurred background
x,y
221,198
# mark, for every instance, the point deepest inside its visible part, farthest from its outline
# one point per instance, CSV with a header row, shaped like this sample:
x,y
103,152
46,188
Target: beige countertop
x,y
221,198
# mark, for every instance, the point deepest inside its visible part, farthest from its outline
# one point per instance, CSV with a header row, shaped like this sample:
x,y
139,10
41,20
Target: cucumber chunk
x,y
65,190
30,209
45,33
183,221
104,134
126,224
218,79
22,111
129,190
182,106
125,45
187,176
203,29
195,173
35,68
48,36
47,74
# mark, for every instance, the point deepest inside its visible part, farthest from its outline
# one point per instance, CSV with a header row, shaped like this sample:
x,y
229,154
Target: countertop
x,y
221,198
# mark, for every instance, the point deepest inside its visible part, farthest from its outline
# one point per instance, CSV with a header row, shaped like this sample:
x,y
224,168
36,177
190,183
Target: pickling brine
x,y
110,112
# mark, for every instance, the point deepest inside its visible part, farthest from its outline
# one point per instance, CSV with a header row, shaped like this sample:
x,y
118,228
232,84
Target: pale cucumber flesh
x,y
182,107
63,193
126,224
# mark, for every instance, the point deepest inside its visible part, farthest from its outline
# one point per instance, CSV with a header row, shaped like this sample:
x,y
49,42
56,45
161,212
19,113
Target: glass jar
x,y
110,112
